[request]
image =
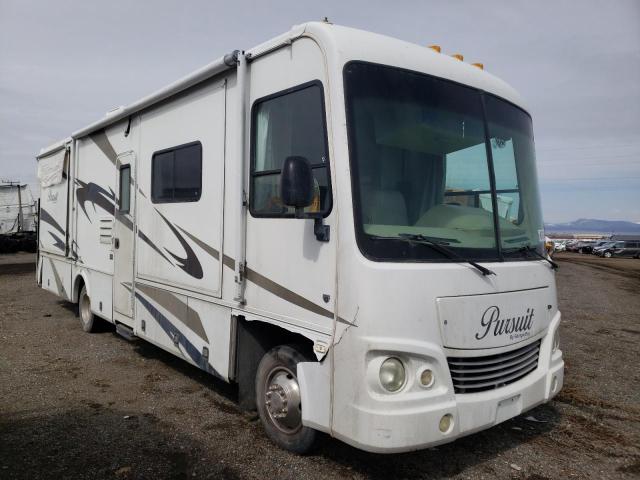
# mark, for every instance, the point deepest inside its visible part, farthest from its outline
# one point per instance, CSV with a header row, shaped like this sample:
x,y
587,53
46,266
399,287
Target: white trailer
x,y
17,208
344,224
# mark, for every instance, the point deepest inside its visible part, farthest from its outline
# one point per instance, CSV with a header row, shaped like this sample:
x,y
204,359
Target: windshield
x,y
433,158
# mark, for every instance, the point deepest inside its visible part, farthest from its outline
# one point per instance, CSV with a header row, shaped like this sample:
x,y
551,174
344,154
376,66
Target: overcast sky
x,y
63,64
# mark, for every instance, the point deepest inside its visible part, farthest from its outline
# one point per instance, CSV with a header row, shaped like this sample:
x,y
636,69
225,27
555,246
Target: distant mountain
x,y
589,225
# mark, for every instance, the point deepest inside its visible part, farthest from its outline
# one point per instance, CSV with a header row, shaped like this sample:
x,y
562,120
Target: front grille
x,y
477,374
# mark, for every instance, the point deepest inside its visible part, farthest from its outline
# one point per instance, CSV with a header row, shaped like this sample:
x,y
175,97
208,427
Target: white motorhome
x,y
344,224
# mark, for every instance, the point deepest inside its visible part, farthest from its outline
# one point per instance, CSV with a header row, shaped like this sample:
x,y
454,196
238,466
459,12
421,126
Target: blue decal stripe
x,y
172,332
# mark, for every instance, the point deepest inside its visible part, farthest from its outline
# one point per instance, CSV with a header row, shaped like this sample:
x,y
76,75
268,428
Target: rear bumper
x,y
383,426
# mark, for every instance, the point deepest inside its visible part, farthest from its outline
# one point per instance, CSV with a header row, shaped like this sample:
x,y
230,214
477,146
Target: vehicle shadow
x,y
150,351
101,326
449,459
95,441
204,379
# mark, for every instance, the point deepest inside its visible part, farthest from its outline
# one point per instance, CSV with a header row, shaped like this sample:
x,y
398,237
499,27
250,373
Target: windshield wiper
x,y
439,247
529,249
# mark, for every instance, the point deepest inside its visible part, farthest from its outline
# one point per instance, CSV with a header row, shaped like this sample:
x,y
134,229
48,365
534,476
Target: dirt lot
x,y
74,405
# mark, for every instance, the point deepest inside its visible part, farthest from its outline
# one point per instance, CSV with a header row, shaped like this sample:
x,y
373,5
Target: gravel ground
x,y
74,405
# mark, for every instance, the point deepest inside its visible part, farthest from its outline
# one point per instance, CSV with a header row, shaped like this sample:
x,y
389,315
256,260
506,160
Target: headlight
x,y
556,341
392,375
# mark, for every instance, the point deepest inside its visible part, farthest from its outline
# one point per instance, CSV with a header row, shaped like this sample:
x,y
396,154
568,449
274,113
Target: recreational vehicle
x,y
345,225
17,217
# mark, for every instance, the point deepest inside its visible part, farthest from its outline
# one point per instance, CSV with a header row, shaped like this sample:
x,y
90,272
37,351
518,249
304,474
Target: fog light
x,y
392,374
446,423
426,378
556,341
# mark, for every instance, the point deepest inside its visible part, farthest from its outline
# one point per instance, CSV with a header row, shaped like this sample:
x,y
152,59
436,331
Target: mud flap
x,y
315,391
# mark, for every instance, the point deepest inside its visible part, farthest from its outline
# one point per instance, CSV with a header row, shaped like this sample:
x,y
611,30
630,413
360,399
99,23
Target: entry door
x,y
123,236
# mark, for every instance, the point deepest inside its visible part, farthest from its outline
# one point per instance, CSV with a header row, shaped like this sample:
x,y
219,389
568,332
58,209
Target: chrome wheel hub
x,y
282,399
85,309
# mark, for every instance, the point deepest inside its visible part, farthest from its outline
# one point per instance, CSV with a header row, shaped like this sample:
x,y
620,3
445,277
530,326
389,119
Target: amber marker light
x,y
435,48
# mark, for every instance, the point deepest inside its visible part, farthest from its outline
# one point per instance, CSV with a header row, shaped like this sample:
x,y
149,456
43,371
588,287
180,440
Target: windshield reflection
x,y
433,158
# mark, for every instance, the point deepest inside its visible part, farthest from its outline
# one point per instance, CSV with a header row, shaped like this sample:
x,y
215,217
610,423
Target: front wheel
x,y
607,254
278,400
87,318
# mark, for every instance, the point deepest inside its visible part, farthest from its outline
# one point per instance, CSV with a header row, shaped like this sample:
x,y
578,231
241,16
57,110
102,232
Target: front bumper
x,y
388,423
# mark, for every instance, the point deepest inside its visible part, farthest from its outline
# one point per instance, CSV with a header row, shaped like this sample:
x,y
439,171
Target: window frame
x,y
154,199
120,170
252,163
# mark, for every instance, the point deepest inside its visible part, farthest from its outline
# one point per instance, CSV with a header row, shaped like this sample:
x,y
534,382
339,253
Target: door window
x,y
124,197
286,124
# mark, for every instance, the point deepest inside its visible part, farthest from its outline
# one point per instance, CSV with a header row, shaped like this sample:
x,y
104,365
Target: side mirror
x,y
297,190
296,184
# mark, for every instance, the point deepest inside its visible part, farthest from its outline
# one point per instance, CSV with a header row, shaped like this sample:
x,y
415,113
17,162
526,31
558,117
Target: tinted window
x,y
287,124
125,189
176,174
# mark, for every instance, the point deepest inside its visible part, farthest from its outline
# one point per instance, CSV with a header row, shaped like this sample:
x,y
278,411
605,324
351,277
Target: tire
x,y
607,254
87,318
278,393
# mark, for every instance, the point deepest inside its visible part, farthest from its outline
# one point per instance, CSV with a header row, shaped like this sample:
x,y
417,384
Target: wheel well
x,y
253,340
77,286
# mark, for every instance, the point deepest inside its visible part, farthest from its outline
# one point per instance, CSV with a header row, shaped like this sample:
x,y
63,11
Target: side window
x,y
124,195
286,124
176,174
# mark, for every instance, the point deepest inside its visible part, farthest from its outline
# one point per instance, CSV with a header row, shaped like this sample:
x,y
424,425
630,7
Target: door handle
x,y
116,243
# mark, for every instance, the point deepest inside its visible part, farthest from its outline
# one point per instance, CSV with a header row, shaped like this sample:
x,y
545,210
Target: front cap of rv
x,y
410,331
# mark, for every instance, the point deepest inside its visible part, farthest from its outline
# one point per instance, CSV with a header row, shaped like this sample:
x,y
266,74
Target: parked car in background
x,y
570,245
579,246
622,249
560,246
592,246
597,250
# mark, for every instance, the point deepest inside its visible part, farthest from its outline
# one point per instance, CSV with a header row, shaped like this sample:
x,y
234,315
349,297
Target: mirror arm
x,y
320,229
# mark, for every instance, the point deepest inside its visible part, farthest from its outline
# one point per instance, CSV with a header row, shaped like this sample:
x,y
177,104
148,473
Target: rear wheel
x,y
278,399
607,254
87,318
